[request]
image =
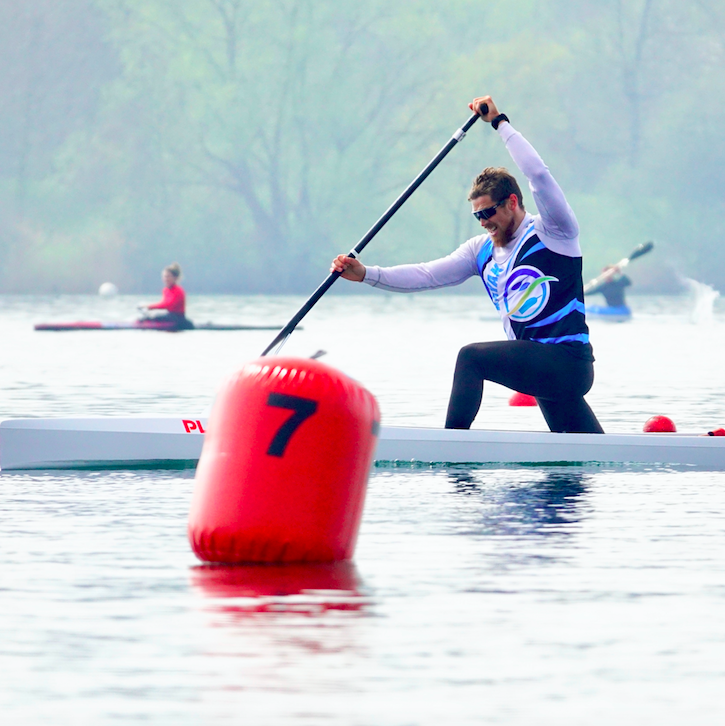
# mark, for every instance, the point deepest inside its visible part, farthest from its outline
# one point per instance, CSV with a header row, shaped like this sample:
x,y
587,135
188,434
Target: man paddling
x,y
531,267
612,287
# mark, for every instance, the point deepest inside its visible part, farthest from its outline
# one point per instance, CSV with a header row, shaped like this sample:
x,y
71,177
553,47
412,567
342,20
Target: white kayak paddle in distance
x,y
283,334
638,251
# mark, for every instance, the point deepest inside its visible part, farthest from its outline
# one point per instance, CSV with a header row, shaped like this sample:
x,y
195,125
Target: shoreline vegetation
x,y
253,143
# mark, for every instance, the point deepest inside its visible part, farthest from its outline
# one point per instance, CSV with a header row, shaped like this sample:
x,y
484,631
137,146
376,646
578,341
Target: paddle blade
x,y
640,250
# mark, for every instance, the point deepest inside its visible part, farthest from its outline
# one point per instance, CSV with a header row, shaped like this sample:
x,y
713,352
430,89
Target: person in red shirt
x,y
173,300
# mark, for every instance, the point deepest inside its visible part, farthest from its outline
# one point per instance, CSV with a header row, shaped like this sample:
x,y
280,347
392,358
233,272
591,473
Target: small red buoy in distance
x,y
659,424
522,399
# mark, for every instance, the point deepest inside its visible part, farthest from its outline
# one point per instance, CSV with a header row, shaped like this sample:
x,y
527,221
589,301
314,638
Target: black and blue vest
x,y
538,293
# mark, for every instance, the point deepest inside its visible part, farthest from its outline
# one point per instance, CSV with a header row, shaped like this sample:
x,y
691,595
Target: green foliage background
x,y
252,141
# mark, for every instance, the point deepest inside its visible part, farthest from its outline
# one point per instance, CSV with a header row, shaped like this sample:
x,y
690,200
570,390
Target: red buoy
x,y
284,467
659,424
522,399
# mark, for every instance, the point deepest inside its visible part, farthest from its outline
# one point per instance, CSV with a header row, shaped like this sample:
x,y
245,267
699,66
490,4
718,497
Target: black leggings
x,y
555,376
181,322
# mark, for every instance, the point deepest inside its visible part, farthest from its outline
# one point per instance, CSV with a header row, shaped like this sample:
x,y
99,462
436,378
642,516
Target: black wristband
x,y
496,121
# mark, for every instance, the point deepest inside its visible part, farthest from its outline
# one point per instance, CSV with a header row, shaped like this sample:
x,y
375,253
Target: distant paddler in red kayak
x,y
173,300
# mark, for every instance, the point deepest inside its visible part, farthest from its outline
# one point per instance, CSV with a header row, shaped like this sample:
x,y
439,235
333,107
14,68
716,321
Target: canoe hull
x,y
173,442
142,325
539,447
84,443
617,314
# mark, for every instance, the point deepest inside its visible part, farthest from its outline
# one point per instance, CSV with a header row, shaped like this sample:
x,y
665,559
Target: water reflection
x,y
307,589
277,627
525,502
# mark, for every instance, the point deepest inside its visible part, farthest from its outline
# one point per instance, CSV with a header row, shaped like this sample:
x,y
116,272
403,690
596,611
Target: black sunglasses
x,y
483,214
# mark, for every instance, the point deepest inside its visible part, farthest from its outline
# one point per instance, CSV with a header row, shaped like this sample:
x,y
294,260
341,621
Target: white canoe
x,y
173,442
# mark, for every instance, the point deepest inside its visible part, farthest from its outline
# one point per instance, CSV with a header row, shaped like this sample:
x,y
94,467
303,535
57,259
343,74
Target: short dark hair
x,y
497,183
174,269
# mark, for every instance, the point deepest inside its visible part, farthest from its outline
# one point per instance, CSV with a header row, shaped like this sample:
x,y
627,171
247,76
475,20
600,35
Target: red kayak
x,y
167,325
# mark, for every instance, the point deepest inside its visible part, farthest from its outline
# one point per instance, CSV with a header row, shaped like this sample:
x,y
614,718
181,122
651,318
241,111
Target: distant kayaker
x,y
531,266
173,299
612,287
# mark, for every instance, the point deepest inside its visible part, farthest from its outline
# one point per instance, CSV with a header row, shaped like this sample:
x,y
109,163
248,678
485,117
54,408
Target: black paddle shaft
x,y
360,246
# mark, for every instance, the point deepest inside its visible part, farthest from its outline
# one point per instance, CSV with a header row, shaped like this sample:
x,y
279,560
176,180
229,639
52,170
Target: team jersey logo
x,y
527,293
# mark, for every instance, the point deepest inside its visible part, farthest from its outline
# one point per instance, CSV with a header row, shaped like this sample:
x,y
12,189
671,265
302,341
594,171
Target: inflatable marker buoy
x,y
284,467
659,424
522,399
107,289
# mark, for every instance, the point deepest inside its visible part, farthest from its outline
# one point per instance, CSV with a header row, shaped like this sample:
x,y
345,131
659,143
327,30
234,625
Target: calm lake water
x,y
517,595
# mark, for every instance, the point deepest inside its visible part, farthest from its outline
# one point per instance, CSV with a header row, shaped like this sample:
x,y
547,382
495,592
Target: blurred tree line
x,y
251,142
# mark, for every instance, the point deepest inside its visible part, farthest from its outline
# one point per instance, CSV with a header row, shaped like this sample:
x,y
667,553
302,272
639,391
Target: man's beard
x,y
508,235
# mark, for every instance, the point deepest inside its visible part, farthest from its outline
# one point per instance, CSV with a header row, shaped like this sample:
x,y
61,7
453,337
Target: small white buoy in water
x,y
107,289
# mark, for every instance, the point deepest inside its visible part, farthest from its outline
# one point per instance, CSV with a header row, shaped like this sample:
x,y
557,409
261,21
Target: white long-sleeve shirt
x,y
555,225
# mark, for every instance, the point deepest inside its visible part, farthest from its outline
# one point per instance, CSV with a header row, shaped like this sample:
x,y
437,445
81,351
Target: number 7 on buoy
x,y
303,408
